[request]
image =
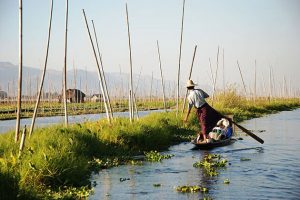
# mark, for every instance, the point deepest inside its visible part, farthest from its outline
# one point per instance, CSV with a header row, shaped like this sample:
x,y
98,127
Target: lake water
x,y
272,173
7,125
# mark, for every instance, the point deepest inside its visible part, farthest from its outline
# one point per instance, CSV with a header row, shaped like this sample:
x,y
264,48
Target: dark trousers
x,y
208,118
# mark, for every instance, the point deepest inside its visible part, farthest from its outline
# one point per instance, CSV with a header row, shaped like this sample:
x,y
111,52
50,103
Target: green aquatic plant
x,y
134,162
245,159
210,163
191,189
207,198
156,185
226,181
155,156
97,164
70,193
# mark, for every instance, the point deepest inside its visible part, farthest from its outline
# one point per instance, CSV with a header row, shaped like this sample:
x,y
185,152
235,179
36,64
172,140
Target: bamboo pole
x,y
242,77
270,84
86,83
161,75
20,71
255,81
65,66
179,60
190,75
215,80
22,141
75,75
150,95
43,75
273,83
98,67
265,91
290,88
211,72
223,72
135,106
103,74
137,85
129,105
130,61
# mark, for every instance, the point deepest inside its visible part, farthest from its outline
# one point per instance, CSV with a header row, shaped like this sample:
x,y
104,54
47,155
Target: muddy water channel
x,y
255,171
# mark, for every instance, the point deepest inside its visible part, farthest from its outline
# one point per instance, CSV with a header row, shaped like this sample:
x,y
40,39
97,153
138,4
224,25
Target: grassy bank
x,y
57,159
57,162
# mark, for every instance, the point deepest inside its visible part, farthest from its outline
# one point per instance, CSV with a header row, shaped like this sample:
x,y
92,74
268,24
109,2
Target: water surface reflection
x,y
271,172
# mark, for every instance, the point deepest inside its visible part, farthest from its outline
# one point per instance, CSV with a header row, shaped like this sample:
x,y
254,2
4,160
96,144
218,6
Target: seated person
x,y
222,131
217,133
225,125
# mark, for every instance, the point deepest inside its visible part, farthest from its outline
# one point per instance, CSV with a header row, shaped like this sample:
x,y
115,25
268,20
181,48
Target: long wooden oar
x,y
249,132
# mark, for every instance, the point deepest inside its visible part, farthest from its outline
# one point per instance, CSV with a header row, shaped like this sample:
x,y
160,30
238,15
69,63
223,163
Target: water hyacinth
x,y
210,163
155,156
191,189
97,163
156,185
245,159
135,162
226,181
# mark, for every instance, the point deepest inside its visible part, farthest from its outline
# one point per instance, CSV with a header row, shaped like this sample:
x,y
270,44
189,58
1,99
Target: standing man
x,y
206,115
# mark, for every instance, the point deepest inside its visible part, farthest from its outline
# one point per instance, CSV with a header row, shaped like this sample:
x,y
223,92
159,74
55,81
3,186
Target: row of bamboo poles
x,y
102,80
132,101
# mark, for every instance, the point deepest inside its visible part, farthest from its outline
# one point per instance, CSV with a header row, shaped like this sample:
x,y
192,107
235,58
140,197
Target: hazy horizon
x,y
266,31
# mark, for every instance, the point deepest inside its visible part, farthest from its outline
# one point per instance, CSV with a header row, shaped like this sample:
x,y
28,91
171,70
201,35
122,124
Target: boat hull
x,y
212,145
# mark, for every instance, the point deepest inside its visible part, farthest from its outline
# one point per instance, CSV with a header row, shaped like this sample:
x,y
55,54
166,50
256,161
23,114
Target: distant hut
x,y
3,94
96,98
74,96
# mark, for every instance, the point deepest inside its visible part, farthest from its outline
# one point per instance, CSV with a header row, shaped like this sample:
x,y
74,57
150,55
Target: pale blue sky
x,y
265,30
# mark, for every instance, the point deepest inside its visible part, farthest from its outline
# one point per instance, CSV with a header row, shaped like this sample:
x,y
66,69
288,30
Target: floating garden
x,y
58,161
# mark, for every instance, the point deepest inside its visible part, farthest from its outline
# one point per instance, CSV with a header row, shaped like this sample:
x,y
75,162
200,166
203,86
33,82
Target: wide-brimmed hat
x,y
190,83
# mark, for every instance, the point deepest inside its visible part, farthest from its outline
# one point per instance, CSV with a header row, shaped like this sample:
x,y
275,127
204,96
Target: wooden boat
x,y
214,144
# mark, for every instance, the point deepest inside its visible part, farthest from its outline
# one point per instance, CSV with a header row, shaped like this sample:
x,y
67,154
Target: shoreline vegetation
x,y
49,108
57,162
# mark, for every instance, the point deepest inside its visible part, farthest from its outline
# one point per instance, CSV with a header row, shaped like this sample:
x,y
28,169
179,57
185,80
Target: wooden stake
x,y
190,75
161,75
75,75
179,60
65,66
44,72
103,74
98,67
215,81
270,84
22,141
137,85
150,95
242,77
255,82
211,72
130,61
20,71
135,106
223,73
